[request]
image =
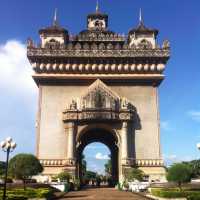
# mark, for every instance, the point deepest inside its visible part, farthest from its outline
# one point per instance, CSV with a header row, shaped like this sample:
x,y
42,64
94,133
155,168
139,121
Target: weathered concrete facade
x,y
99,86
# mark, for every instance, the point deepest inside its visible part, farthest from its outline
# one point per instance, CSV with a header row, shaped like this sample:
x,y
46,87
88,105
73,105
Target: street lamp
x,y
198,146
7,146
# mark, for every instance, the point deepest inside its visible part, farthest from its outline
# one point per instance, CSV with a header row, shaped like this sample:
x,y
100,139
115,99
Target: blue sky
x,y
177,20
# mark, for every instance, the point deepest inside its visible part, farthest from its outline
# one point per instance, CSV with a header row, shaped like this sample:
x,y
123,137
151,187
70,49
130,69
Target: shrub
x,y
20,194
77,184
193,197
119,187
64,176
16,197
175,193
134,173
2,169
167,193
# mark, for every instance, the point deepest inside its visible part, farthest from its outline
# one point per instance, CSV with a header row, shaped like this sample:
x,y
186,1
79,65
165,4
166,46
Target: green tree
x,y
90,175
24,166
134,174
2,168
195,167
108,167
179,173
64,176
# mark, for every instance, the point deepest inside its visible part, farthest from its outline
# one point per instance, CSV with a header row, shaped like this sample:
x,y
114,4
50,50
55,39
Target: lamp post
x,y
7,146
198,146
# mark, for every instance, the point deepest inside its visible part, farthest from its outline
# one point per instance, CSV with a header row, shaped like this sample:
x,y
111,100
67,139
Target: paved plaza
x,y
102,194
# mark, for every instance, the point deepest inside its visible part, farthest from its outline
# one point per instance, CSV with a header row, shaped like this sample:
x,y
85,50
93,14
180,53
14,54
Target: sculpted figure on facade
x,y
124,103
166,44
73,105
144,44
30,43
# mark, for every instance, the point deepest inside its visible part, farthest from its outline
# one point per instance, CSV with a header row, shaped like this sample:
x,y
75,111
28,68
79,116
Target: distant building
x,y
99,86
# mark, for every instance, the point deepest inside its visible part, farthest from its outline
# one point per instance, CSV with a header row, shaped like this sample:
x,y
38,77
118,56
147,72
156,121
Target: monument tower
x,y
99,86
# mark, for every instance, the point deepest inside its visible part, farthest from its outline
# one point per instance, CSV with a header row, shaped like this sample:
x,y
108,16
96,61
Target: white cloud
x,y
165,125
170,159
15,70
100,156
95,167
95,147
18,97
195,115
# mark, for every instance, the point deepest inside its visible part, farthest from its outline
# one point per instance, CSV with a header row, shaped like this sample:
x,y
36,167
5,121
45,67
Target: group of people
x,y
96,182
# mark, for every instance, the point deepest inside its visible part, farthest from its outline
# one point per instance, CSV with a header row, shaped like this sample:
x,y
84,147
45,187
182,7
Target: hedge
x,y
194,197
20,194
175,193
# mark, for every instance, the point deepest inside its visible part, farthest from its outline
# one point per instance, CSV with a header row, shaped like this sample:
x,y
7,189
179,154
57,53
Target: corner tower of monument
x,y
99,86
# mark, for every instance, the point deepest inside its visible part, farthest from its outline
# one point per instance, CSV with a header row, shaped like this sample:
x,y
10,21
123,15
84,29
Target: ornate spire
x,y
55,19
97,6
141,28
141,17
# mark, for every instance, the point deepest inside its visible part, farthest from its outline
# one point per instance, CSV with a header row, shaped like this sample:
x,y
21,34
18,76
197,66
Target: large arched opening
x,y
106,137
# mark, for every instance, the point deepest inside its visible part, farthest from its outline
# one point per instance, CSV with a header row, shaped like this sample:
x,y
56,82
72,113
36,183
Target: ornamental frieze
x,y
140,53
97,115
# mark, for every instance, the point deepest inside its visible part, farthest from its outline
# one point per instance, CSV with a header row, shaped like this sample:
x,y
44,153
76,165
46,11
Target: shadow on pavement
x,y
75,196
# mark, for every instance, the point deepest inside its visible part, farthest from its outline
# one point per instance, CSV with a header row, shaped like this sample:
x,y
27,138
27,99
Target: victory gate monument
x,y
99,86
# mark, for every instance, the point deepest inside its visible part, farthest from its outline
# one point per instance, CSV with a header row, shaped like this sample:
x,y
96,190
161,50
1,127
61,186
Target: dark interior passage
x,y
105,137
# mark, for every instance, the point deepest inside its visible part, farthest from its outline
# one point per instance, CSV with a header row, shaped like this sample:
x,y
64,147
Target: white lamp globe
x,y
198,146
13,145
9,139
8,145
3,144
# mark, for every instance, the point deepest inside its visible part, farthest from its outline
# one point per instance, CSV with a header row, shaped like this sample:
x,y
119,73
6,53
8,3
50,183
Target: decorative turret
x,y
54,36
142,36
97,20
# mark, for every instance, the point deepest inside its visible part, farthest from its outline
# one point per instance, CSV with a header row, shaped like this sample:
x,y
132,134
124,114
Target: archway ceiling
x,y
99,135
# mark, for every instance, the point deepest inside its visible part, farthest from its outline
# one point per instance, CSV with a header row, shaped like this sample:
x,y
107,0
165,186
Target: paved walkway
x,y
102,194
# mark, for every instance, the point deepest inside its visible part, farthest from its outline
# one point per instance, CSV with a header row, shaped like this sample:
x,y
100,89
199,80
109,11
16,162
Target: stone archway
x,y
105,137
97,116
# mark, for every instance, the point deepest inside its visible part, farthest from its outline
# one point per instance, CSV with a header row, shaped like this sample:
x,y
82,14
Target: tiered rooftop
x,y
98,52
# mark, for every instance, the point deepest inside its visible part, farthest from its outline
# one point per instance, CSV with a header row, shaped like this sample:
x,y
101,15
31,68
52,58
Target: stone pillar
x,y
71,137
70,164
124,146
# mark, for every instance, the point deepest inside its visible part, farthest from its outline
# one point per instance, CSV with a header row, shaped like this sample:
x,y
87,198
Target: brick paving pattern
x,y
102,194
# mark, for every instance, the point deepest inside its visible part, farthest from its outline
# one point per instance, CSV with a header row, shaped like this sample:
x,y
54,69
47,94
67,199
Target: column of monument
x,y
71,143
124,137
